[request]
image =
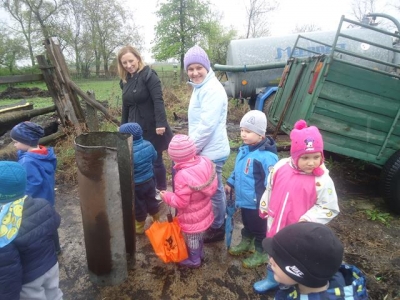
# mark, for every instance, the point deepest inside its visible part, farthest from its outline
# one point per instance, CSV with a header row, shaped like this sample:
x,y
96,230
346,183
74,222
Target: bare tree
x,y
257,21
43,11
306,28
25,20
362,7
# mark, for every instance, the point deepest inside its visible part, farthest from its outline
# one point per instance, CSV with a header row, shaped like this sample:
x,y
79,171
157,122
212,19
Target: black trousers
x,y
254,227
145,199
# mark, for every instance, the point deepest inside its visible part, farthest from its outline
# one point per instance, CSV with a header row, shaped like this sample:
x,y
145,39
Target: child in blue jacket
x,y
254,159
39,162
28,259
143,154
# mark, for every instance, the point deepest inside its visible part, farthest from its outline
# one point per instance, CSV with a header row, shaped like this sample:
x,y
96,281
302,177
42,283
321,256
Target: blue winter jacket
x,y
347,284
249,176
144,155
32,253
40,171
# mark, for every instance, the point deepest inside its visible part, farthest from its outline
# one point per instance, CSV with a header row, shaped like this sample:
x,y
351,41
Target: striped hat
x,y
132,128
181,148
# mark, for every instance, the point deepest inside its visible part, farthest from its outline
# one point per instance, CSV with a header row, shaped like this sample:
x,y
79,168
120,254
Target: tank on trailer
x,y
254,64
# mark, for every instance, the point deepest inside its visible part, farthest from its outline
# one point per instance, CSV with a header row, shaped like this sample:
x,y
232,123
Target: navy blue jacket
x,y
144,155
32,253
40,171
249,177
347,284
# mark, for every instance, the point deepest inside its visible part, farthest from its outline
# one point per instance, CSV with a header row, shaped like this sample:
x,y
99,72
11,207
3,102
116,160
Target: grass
x,y
176,101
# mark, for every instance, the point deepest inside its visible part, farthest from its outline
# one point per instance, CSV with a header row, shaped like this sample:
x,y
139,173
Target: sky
x,y
325,14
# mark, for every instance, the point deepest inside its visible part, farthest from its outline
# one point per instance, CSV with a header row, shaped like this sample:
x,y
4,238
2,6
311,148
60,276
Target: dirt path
x,y
372,246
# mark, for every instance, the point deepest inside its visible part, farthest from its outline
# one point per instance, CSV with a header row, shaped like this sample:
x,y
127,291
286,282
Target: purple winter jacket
x,y
195,183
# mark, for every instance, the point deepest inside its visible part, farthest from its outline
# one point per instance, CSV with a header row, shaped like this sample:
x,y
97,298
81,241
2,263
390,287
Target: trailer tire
x,y
390,182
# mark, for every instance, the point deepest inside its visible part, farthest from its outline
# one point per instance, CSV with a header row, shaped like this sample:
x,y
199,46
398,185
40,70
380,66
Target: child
x,y
144,155
195,182
28,259
39,162
306,257
254,159
299,189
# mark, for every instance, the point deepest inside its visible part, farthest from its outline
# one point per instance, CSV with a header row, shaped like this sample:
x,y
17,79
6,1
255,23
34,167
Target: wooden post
x,y
67,102
91,113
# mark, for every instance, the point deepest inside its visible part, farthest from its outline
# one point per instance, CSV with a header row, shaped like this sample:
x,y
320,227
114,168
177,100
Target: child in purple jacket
x,y
195,182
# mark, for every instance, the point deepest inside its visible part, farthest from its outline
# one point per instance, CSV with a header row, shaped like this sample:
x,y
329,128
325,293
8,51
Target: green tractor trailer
x,y
352,97
346,82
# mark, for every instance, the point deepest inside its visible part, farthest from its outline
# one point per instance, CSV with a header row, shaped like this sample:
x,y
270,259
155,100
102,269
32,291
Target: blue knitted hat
x,y
27,133
132,128
196,55
12,181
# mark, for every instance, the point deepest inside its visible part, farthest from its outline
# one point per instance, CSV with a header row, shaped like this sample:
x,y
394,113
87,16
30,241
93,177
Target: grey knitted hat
x,y
255,121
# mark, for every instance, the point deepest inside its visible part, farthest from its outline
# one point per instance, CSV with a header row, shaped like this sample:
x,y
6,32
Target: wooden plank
x,y
26,106
359,99
20,78
366,80
352,137
363,118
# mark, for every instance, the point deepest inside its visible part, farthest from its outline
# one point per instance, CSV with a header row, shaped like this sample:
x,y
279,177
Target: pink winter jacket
x,y
292,195
195,183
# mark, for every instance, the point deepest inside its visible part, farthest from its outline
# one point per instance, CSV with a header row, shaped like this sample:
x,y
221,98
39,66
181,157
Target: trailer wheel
x,y
390,182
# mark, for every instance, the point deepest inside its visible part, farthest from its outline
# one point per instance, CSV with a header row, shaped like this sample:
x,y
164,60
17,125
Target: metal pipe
x,y
248,68
393,19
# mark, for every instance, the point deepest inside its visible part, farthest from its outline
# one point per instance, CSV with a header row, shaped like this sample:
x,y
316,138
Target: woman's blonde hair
x,y
124,50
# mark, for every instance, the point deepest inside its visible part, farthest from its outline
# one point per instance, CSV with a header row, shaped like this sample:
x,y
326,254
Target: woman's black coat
x,y
142,102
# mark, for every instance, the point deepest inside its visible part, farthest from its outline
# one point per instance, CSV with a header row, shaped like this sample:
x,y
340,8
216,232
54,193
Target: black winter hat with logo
x,y
309,253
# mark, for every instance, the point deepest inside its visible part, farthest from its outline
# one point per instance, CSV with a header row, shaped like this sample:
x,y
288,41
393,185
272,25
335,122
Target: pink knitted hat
x,y
305,140
181,148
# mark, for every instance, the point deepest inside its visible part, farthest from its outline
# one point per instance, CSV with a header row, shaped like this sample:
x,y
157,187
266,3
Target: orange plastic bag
x,y
167,240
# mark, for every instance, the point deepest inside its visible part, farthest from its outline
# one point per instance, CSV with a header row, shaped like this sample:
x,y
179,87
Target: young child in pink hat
x,y
195,182
299,189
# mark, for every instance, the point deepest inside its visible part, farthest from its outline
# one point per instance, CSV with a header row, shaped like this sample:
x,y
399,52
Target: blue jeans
x,y
219,199
160,173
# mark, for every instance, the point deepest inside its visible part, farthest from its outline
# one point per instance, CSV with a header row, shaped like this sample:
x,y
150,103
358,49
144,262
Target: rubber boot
x,y
267,284
156,217
202,254
194,259
245,245
257,259
139,226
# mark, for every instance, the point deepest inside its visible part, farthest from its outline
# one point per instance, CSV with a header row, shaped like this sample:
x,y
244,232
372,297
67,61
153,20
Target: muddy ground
x,y
370,244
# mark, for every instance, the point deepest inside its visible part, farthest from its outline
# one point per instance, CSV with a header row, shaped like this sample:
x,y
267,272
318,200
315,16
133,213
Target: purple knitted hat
x,y
196,55
27,133
181,148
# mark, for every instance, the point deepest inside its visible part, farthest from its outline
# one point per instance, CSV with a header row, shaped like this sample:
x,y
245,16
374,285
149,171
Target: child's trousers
x,y
145,199
44,287
253,227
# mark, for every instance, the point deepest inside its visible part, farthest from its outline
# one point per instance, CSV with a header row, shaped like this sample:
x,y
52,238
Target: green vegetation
x,y
378,216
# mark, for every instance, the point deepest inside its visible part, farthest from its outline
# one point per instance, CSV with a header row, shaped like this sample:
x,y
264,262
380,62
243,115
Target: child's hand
x,y
162,193
227,189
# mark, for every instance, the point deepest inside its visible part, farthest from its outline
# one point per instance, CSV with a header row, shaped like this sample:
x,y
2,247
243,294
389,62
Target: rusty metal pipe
x,y
106,198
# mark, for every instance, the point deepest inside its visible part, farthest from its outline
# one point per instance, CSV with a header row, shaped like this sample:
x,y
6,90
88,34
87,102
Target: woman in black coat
x,y
142,102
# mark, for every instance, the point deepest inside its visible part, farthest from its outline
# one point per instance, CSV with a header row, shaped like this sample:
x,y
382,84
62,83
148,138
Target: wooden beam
x,y
92,102
20,78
